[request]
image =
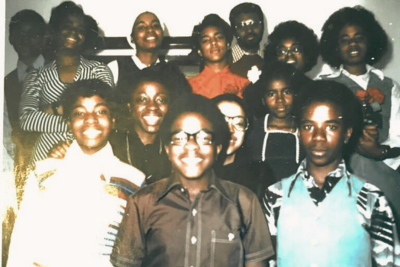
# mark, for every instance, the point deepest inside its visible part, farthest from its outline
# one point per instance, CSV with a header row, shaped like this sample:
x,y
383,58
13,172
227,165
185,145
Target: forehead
x,y
230,108
351,29
211,30
288,42
277,84
146,17
73,19
191,122
90,102
321,112
150,87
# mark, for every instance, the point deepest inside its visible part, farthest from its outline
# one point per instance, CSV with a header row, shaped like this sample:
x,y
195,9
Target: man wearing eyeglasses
x,y
193,218
247,24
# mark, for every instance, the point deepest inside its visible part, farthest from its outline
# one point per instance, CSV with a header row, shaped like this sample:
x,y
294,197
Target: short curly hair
x,y
302,34
245,8
377,39
211,20
27,16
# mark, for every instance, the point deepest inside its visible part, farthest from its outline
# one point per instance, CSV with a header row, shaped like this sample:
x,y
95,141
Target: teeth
x,y
91,133
290,61
191,161
353,53
71,39
151,119
151,38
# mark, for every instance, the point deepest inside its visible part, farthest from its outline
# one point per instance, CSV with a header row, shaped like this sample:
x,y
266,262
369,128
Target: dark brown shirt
x,y
223,226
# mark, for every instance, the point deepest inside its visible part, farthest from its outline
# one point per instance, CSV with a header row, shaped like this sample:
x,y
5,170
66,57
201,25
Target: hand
x,y
59,151
369,147
372,130
47,109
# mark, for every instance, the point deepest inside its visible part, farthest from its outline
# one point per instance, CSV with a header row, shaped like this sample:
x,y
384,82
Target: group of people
x,y
248,163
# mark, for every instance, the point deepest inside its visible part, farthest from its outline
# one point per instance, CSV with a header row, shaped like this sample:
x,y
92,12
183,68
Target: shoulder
x,y
237,193
126,174
149,195
12,75
92,64
45,169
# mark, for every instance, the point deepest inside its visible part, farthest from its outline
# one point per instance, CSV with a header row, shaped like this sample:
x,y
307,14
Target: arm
x,y
129,247
31,118
394,126
103,72
385,244
113,66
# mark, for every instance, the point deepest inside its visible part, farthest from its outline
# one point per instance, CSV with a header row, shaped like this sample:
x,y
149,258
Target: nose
x,y
231,127
319,134
91,118
280,98
191,143
152,105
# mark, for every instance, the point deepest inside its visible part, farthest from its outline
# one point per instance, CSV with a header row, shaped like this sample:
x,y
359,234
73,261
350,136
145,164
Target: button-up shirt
x,y
222,226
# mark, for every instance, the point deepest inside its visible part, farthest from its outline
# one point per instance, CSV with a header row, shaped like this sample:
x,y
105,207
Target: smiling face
x,y
213,45
234,113
248,31
149,104
90,122
72,33
352,45
192,160
290,51
147,33
323,135
278,98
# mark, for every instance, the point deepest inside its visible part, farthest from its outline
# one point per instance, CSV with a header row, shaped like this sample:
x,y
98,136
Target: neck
x,y
357,69
28,60
286,124
146,57
229,159
251,50
145,137
217,66
321,172
64,60
195,186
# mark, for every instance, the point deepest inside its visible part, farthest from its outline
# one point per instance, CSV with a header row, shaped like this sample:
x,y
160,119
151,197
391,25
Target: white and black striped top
x,y
42,87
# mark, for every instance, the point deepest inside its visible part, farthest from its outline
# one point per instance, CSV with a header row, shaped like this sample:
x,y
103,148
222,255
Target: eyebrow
x,y
154,20
97,105
214,34
337,121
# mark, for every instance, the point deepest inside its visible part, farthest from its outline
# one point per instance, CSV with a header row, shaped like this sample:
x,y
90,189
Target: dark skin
x,y
352,48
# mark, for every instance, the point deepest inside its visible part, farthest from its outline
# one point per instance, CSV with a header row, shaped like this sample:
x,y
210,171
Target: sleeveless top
x,y
329,234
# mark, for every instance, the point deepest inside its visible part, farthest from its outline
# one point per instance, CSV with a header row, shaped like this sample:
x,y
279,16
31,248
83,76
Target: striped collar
x,y
238,53
341,70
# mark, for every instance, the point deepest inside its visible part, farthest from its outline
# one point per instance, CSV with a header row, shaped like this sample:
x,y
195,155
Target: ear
x,y
166,147
199,53
348,133
218,149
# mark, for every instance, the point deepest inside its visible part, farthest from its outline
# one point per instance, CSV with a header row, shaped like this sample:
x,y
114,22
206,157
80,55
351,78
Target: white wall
x,y
116,17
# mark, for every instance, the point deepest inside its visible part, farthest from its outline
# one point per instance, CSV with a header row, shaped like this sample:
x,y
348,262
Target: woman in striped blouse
x,y
70,30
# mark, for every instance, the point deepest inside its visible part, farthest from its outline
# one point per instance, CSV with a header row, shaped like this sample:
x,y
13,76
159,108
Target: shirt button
x,y
194,212
193,239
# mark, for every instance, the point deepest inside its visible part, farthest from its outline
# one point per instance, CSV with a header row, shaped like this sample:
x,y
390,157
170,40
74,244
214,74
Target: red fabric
x,y
211,84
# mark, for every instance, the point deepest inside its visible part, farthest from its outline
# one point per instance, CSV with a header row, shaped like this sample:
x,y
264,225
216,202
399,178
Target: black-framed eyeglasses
x,y
248,23
283,51
240,123
202,138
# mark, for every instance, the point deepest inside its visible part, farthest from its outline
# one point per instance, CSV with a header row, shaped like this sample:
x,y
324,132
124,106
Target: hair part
x,y
305,37
86,89
377,39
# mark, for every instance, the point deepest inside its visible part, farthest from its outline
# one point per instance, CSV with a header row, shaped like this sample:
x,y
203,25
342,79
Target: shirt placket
x,y
193,234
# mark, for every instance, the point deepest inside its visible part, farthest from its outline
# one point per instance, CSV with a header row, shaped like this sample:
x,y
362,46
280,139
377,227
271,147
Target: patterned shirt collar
x,y
341,70
141,65
238,53
318,194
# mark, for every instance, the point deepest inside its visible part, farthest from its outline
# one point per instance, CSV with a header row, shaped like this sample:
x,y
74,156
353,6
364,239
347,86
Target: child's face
x,y
72,33
352,45
149,104
192,156
235,117
289,51
248,30
323,135
279,99
213,45
91,123
147,33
